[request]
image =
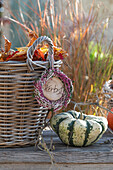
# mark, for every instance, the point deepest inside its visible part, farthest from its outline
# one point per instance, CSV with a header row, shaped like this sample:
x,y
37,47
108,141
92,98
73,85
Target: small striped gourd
x,y
76,130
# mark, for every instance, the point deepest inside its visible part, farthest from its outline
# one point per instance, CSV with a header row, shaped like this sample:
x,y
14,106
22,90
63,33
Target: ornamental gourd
x,y
110,119
76,129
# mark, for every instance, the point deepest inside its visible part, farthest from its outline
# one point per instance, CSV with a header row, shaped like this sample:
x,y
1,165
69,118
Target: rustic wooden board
x,y
100,152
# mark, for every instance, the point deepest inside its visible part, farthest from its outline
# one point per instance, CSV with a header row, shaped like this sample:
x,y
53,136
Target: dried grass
x,y
90,62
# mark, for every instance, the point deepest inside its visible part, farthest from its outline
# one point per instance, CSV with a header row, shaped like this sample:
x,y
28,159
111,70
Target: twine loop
x,y
50,57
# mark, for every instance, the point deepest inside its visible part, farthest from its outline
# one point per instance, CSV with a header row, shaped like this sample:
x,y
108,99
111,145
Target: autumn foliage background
x,y
81,34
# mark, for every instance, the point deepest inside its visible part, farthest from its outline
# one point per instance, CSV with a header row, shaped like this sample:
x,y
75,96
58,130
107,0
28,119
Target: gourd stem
x,y
76,105
81,115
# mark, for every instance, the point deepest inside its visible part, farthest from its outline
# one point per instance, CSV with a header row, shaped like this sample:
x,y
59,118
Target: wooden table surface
x,y
100,152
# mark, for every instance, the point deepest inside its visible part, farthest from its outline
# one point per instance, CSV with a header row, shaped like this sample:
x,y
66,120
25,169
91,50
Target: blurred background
x,y
83,28
27,11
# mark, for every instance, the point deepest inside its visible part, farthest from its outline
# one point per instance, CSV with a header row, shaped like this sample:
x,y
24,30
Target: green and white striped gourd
x,y
78,132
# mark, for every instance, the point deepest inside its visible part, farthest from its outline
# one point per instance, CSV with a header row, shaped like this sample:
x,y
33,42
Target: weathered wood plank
x,y
100,152
62,157
56,167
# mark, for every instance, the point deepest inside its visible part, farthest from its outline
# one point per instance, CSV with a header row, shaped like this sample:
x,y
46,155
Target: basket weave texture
x,y
21,118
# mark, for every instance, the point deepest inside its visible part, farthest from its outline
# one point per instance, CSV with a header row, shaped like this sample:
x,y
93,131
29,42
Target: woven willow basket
x,y
108,92
21,118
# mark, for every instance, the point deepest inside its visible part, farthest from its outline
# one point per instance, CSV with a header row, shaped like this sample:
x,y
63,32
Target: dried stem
x,y
95,103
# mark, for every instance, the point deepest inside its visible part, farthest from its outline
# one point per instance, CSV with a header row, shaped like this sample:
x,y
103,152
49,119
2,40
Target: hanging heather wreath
x,y
53,90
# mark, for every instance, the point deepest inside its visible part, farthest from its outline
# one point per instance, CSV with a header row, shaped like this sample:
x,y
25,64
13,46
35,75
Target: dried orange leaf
x,y
44,49
7,44
22,49
31,41
38,55
59,53
3,56
19,54
33,36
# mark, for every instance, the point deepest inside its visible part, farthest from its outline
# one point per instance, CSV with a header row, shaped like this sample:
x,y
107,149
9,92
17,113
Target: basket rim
x,y
23,63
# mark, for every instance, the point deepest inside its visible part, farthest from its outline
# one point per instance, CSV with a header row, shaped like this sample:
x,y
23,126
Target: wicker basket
x,y
108,92
21,118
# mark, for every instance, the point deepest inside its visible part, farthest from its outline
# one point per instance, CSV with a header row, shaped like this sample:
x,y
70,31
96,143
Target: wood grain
x,y
100,152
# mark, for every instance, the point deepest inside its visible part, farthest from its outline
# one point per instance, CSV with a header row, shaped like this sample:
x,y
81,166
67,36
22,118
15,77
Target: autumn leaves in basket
x,y
40,54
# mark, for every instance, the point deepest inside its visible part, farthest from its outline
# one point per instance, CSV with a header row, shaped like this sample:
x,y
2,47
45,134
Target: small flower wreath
x,y
65,92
